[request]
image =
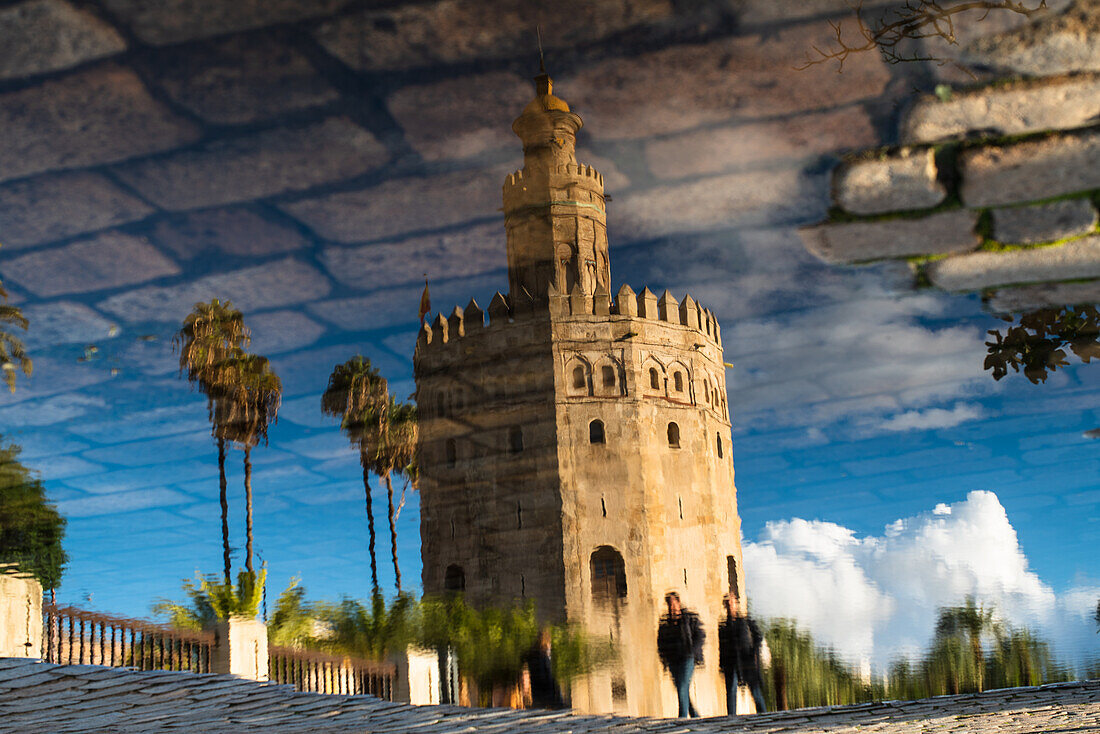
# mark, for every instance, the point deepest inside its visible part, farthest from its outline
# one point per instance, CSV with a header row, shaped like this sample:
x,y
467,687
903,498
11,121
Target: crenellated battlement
x,y
503,311
524,187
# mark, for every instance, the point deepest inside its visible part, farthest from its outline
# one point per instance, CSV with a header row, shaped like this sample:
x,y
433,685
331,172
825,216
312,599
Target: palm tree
x,y
357,395
247,398
210,334
12,351
967,623
395,452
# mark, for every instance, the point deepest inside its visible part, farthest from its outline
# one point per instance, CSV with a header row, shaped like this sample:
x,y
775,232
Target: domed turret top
x,y
544,100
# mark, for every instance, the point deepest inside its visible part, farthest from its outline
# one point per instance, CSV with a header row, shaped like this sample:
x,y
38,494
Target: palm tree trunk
x,y
370,518
393,531
225,510
248,508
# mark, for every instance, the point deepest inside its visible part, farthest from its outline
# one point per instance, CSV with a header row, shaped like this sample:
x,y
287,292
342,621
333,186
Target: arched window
x,y
678,381
595,432
608,575
439,405
451,451
515,439
706,390
731,569
454,579
719,437
579,381
673,436
608,373
654,379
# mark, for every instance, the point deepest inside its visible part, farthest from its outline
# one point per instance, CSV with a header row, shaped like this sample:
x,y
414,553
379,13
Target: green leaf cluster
x,y
210,600
1037,343
31,529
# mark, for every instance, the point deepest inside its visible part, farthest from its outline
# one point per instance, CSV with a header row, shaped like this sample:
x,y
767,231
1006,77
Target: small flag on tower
x,y
425,300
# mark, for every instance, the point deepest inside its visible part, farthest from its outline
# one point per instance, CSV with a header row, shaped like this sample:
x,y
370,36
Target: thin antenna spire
x,y
542,61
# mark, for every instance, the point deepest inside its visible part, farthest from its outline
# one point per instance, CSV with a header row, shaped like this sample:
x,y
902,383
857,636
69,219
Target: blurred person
x,y
741,648
680,638
539,685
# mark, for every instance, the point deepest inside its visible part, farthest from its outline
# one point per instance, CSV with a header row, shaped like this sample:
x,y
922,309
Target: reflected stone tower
x,y
575,449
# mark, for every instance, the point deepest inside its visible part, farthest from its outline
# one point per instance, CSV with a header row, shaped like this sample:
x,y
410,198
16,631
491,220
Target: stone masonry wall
x,y
993,189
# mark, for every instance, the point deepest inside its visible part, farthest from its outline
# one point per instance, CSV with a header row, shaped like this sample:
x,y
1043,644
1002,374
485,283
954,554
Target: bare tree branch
x,y
914,20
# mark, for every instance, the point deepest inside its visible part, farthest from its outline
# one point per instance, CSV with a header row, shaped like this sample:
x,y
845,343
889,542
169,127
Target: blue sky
x,y
855,399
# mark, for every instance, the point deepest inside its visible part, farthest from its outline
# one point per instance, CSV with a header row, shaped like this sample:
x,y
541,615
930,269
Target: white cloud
x,y
48,411
878,596
930,419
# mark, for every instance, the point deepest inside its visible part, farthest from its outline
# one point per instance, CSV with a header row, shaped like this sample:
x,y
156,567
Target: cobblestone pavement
x,y
38,697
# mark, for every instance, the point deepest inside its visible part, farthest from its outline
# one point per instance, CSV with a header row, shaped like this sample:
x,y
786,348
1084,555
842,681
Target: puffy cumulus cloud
x,y
878,596
932,418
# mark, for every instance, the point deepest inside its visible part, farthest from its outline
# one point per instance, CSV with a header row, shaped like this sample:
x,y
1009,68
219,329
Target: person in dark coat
x,y
539,679
739,641
680,639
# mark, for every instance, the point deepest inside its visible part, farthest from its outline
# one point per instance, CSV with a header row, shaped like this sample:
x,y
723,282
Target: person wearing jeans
x,y
680,639
739,645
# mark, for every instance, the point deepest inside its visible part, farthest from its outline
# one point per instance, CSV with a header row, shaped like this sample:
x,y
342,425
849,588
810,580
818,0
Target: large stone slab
x,y
1008,109
402,205
1044,222
271,285
690,85
459,254
46,35
96,116
106,261
1057,44
450,31
753,144
237,231
256,166
240,79
903,181
1079,259
1044,295
461,118
171,21
1032,170
718,202
936,234
56,206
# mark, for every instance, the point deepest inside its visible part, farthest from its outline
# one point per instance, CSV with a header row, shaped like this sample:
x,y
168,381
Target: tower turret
x,y
554,207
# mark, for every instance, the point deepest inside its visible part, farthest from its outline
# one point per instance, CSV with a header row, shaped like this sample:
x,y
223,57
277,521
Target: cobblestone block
x,y
108,260
896,183
718,202
96,116
1044,295
461,118
1037,169
936,234
255,166
232,231
471,251
1044,222
1074,260
56,206
450,31
1057,44
402,205
172,21
1012,109
240,79
729,148
271,285
46,35
694,84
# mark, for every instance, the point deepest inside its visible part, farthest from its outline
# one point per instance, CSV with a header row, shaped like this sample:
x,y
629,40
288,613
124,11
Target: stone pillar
x,y
20,615
417,677
240,648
